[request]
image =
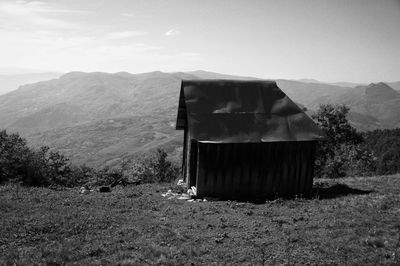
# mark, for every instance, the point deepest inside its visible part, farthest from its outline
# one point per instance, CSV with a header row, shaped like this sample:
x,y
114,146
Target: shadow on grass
x,y
319,191
324,191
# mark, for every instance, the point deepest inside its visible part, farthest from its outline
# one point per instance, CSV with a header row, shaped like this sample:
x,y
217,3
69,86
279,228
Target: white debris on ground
x,y
169,194
85,190
191,192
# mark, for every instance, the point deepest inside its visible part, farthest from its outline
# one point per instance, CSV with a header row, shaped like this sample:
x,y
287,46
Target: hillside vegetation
x,y
343,152
98,118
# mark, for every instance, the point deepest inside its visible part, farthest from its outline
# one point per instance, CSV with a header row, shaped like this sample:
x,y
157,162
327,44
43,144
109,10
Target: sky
x,y
332,41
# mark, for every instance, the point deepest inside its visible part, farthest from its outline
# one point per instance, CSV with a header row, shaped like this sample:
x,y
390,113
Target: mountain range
x,y
100,118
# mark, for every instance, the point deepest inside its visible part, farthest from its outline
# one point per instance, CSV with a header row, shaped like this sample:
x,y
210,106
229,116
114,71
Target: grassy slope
x,y
136,226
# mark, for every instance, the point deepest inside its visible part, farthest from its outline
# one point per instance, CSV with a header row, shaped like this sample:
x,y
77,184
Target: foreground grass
x,y
355,223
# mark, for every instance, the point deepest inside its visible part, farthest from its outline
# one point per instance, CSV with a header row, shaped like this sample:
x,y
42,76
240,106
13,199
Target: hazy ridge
x,y
99,118
10,83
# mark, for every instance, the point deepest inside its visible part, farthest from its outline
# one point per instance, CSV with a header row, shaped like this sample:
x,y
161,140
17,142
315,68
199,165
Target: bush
x,y
14,155
108,176
43,167
144,168
35,167
51,168
150,168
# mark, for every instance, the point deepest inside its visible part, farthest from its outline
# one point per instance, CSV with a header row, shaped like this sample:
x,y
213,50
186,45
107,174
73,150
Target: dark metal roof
x,y
231,111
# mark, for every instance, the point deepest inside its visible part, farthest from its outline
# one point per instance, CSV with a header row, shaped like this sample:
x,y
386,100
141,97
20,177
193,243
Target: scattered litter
x,y
189,195
169,194
184,197
181,182
85,190
196,200
192,191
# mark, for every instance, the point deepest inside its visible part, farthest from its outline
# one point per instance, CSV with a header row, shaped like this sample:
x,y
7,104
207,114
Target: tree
x,y
343,144
386,146
389,160
38,167
14,155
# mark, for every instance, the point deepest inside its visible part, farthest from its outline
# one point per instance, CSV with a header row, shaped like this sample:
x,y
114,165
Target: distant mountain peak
x,y
380,84
381,90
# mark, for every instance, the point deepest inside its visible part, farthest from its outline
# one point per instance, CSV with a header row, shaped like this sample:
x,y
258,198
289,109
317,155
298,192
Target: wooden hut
x,y
245,139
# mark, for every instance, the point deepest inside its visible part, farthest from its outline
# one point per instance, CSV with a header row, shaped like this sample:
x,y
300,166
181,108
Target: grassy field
x,y
353,221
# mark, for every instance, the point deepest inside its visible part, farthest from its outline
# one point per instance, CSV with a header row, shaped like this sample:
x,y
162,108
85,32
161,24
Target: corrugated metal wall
x,y
254,170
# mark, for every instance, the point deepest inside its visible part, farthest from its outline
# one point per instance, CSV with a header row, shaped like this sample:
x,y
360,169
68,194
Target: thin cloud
x,y
52,23
30,15
173,32
128,15
124,35
60,51
135,15
22,8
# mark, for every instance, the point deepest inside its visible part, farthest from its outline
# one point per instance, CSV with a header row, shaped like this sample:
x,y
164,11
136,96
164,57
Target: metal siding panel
x,y
311,159
286,170
257,170
283,189
277,169
219,166
211,173
303,166
306,174
264,177
297,159
239,169
292,150
253,169
184,156
200,186
310,165
224,166
230,170
304,170
265,153
235,174
193,163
